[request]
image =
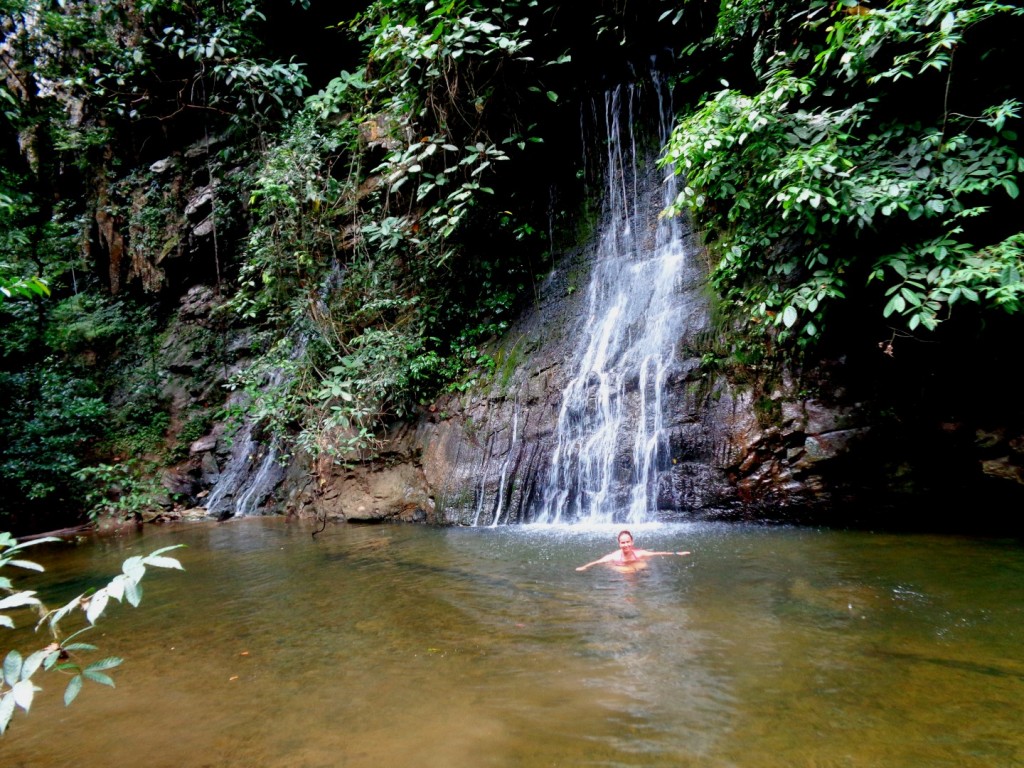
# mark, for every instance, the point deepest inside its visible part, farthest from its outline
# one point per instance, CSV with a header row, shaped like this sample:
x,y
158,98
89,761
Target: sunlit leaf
x,y
23,692
55,617
28,564
12,668
6,710
133,568
169,562
97,603
33,662
133,593
116,587
19,599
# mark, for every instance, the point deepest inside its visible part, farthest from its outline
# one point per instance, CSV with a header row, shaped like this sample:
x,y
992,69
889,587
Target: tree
x,y
869,152
22,287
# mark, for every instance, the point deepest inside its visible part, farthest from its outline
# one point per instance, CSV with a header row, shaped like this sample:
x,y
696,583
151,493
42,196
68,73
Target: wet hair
x,y
624,532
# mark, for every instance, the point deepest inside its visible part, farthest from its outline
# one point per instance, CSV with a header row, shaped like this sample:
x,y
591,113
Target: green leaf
x,y
98,677
108,663
79,647
12,668
73,689
6,710
789,316
896,304
912,297
1011,188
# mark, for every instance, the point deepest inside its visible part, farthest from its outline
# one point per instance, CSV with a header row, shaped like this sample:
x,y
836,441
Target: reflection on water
x,y
412,646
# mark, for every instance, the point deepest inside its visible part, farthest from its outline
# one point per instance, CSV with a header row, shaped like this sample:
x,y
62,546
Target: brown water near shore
x,y
414,646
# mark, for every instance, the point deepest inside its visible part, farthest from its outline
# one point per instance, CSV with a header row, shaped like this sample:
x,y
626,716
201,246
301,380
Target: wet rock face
x,y
732,452
488,456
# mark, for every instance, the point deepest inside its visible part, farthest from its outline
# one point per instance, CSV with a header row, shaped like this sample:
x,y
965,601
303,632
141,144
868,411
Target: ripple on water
x,y
401,645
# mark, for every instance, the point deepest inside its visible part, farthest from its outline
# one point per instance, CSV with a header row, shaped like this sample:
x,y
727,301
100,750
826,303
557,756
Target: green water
x,y
410,646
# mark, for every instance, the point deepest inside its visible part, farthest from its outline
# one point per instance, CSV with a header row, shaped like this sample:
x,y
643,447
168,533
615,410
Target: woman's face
x,y
625,543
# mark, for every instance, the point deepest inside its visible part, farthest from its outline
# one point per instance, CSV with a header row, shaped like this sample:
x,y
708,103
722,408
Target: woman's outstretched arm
x,y
648,553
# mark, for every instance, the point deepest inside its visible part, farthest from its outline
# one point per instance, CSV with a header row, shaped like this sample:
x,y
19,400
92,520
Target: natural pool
x,y
397,646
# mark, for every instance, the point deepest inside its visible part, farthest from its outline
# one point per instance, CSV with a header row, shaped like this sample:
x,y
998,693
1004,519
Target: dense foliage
x,y
94,94
377,228
873,156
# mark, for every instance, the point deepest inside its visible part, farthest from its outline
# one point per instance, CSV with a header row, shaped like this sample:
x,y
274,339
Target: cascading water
x,y
254,469
251,473
611,443
505,467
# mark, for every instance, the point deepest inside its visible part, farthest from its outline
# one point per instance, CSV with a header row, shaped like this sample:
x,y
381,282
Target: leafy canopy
x,y
876,148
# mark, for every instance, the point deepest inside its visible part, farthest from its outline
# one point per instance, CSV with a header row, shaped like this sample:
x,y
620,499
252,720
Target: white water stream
x,y
611,436
254,468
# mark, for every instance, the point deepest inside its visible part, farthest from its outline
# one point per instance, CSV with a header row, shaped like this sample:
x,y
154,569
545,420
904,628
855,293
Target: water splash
x,y
612,444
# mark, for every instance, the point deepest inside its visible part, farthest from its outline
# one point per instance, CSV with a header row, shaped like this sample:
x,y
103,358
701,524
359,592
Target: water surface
x,y
414,646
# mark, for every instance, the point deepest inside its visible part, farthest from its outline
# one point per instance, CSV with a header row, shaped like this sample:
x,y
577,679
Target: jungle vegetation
x,y
371,190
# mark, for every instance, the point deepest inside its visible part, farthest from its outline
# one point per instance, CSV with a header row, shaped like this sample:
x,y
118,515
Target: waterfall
x,y
506,475
611,446
251,473
505,466
254,467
